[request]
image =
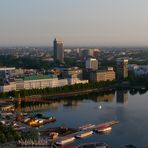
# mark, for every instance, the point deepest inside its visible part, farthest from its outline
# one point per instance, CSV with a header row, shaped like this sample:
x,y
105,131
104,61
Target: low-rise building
x,y
8,87
139,70
74,72
38,82
32,82
76,81
102,75
59,82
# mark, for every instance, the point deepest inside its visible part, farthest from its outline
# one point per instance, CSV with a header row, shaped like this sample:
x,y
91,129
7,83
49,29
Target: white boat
x,y
26,120
65,141
102,130
87,126
41,121
84,134
94,145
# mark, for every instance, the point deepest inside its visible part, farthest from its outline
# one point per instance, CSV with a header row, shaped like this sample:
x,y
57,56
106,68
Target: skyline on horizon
x,y
79,22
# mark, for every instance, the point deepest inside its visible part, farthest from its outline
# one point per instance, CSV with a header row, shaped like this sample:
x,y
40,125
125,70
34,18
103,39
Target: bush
x,y
7,134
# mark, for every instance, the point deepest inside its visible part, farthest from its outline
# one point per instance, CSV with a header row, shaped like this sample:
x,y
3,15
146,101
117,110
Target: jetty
x,y
65,139
81,132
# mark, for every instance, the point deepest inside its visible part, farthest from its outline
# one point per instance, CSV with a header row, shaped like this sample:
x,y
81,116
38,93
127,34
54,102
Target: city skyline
x,y
79,22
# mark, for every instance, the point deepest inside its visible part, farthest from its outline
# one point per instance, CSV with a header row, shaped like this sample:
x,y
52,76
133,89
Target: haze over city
x,y
79,22
74,73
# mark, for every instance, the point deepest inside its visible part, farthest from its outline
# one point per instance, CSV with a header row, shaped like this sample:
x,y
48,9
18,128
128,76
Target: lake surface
x,y
130,110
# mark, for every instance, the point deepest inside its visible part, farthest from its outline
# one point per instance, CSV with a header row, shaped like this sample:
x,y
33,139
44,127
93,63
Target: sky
x,y
78,22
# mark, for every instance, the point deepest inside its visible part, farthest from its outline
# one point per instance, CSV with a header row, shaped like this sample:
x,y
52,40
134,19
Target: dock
x,y
102,125
64,139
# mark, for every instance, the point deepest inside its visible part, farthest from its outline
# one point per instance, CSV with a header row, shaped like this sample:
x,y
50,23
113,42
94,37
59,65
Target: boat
x,y
86,126
36,122
65,141
33,122
103,129
129,146
94,145
25,120
84,134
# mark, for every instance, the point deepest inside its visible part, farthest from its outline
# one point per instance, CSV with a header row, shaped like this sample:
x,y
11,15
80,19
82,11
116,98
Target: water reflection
x,y
122,96
105,98
98,108
72,102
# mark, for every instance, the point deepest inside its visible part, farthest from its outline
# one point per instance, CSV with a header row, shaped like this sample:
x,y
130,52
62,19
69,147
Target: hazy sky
x,y
78,22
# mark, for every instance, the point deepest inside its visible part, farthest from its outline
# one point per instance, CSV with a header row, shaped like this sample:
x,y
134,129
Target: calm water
x,y
130,110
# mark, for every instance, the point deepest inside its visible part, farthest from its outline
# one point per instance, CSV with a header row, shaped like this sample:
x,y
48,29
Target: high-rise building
x,y
91,63
58,50
122,69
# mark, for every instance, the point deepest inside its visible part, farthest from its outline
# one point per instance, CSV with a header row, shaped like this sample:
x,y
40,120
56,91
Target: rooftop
x,y
38,77
58,39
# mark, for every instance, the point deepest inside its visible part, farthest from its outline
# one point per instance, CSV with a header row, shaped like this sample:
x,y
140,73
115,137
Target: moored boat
x,y
36,122
87,126
84,134
65,141
129,146
103,129
94,145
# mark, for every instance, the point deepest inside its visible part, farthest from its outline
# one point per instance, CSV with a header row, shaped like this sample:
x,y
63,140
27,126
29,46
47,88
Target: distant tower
x,y
91,63
122,69
58,50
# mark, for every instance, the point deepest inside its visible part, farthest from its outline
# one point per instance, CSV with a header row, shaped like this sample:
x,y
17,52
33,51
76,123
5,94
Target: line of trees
x,y
138,80
48,90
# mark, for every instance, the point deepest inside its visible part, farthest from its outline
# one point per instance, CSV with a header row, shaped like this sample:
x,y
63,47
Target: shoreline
x,y
66,94
75,93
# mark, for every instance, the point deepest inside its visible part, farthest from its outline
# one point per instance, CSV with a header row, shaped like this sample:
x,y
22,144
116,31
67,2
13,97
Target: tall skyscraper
x,y
122,69
91,63
58,50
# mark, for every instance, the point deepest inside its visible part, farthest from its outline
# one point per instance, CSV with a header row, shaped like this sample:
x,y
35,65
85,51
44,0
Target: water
x,y
130,110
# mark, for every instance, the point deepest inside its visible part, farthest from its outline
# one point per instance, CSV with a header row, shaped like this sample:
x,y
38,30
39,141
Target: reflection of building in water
x,y
4,106
106,98
41,106
122,96
72,103
53,105
35,107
